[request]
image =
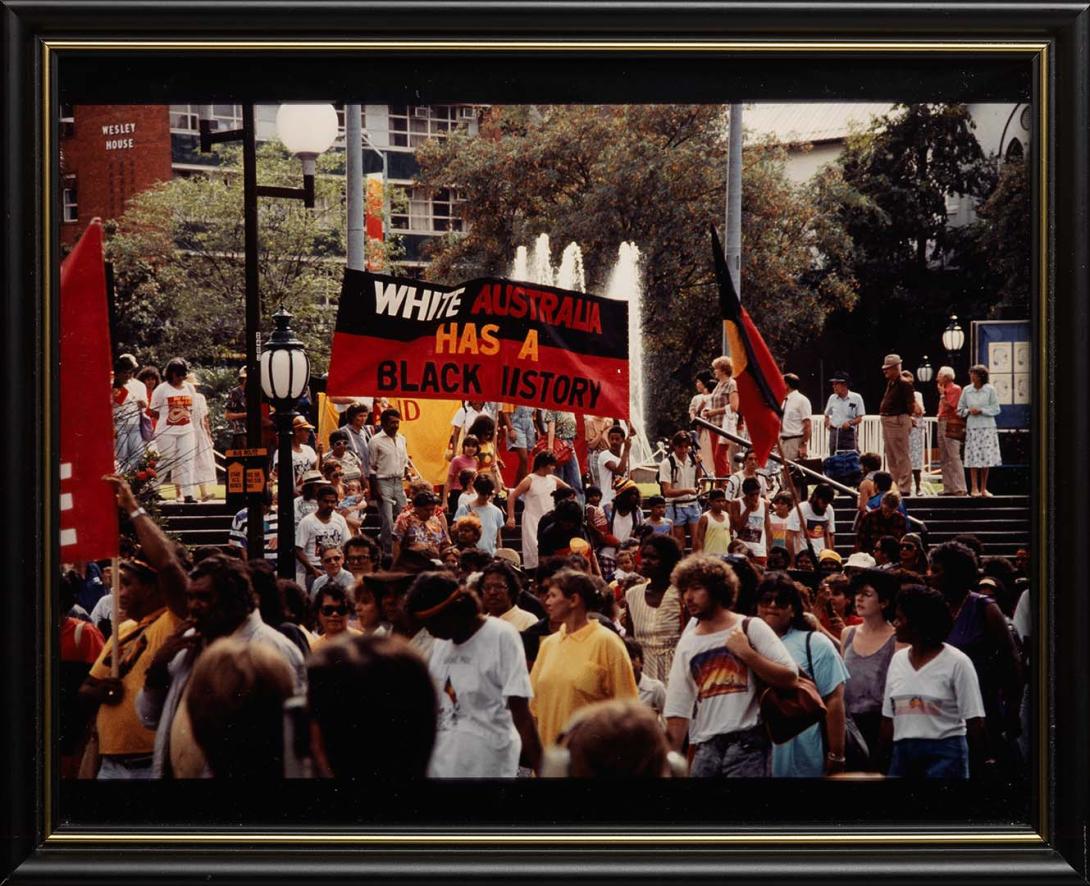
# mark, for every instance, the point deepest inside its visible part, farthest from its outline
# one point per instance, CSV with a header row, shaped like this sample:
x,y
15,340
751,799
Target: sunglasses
x,y
335,610
332,559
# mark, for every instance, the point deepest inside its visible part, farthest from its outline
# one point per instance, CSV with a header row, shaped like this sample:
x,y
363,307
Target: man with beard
x,y
712,694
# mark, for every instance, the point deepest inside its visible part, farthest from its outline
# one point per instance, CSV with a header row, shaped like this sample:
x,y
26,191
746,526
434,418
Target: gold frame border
x,y
1040,534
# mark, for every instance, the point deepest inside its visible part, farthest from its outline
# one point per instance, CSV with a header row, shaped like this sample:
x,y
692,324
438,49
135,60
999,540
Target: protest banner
x,y
487,339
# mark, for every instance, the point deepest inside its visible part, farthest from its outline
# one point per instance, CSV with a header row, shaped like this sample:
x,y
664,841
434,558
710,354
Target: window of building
x,y
67,121
428,212
69,206
186,118
412,125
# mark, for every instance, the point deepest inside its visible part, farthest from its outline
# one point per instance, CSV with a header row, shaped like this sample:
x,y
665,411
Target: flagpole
x,y
734,205
115,616
790,484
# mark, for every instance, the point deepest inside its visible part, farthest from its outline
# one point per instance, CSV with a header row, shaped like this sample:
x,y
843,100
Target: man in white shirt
x,y
795,428
303,457
613,462
817,527
389,459
323,529
712,693
844,413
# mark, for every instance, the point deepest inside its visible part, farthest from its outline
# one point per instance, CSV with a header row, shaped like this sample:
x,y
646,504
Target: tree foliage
x,y
653,175
177,255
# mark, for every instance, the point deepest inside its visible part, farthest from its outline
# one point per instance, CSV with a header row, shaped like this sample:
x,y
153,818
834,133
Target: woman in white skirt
x,y
979,405
204,462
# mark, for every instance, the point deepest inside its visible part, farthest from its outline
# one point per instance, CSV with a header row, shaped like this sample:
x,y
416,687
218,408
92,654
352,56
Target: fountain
x,y
623,284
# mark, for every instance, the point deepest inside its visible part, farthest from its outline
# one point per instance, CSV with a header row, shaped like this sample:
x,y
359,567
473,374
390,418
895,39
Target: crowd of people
x,y
624,637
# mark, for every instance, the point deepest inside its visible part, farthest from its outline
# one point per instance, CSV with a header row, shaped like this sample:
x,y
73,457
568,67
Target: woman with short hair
x,y
979,405
722,408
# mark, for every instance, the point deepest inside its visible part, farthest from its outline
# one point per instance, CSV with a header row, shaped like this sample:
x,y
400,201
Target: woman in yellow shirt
x,y
581,663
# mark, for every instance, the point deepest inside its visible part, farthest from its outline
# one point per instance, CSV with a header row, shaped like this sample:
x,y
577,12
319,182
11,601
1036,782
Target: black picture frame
x,y
760,44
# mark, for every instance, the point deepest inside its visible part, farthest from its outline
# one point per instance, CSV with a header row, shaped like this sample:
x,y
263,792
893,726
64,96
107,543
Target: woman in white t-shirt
x,y
479,669
818,523
931,707
175,438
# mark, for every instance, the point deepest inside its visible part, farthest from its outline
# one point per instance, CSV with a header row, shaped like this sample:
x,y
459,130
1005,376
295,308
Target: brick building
x,y
109,153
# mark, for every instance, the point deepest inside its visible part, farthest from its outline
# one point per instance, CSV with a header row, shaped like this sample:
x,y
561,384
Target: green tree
x,y
653,175
177,255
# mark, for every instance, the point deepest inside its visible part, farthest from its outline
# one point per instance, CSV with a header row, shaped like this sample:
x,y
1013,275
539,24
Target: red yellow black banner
x,y
487,339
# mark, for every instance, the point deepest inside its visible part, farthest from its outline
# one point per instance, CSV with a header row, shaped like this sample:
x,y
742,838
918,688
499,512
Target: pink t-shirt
x,y
458,464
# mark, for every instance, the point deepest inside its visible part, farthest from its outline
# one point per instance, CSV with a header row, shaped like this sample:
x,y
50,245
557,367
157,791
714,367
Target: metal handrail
x,y
841,487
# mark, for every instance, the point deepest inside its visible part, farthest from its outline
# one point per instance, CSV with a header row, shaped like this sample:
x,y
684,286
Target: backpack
x,y
788,712
675,468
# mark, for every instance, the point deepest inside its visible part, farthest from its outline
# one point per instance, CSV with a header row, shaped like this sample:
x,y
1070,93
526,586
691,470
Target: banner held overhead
x,y
487,339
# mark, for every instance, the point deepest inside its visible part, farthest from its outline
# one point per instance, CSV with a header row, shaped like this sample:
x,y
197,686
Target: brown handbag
x,y
788,712
955,428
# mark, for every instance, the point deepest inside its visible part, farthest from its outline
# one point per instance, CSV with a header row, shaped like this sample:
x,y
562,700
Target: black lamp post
x,y
306,131
285,372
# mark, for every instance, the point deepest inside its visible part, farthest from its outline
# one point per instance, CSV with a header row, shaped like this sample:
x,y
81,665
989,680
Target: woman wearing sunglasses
x,y
332,608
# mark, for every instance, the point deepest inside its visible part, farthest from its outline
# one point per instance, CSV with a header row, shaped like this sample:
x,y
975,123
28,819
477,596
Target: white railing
x,y
869,438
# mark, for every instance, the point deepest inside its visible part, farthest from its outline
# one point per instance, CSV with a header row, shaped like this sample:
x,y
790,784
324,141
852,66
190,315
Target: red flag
x,y
88,523
761,388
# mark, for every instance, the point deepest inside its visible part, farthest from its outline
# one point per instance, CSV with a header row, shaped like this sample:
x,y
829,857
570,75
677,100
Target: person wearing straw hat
x,y
303,457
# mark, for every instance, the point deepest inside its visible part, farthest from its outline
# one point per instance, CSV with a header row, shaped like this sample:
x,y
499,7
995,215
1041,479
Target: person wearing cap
x,y
887,519
913,553
829,562
303,457
479,670
858,561
795,427
844,413
897,408
323,529
234,410
306,501
621,518
172,402
422,529
388,457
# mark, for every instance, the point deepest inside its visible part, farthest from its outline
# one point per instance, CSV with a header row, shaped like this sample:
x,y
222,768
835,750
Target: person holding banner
x,y
388,457
563,426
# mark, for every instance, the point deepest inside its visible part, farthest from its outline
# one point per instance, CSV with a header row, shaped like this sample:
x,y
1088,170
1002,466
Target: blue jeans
x,y
126,767
745,754
930,758
391,503
569,472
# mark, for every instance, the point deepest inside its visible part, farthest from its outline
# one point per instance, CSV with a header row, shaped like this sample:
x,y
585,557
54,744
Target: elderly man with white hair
x,y
953,472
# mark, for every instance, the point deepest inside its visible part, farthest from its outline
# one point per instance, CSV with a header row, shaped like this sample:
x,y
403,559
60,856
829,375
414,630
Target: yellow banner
x,y
425,425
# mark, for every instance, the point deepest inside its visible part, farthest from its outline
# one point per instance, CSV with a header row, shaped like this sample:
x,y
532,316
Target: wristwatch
x,y
139,512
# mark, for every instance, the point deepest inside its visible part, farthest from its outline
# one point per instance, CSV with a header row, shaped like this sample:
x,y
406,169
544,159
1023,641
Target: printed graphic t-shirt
x,y
476,735
707,676
936,700
815,525
174,407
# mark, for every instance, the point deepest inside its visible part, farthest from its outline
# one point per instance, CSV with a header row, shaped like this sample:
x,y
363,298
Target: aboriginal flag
x,y
761,388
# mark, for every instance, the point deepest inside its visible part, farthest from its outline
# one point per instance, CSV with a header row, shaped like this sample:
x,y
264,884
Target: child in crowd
x,y
712,534
467,532
491,518
354,504
488,462
465,498
782,504
652,692
658,521
467,461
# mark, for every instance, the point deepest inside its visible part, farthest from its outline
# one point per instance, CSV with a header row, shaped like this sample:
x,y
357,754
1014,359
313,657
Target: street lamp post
x,y
953,339
285,372
304,130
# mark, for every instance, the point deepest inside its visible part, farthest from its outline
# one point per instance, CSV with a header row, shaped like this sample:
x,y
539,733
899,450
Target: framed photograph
x,y
604,129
